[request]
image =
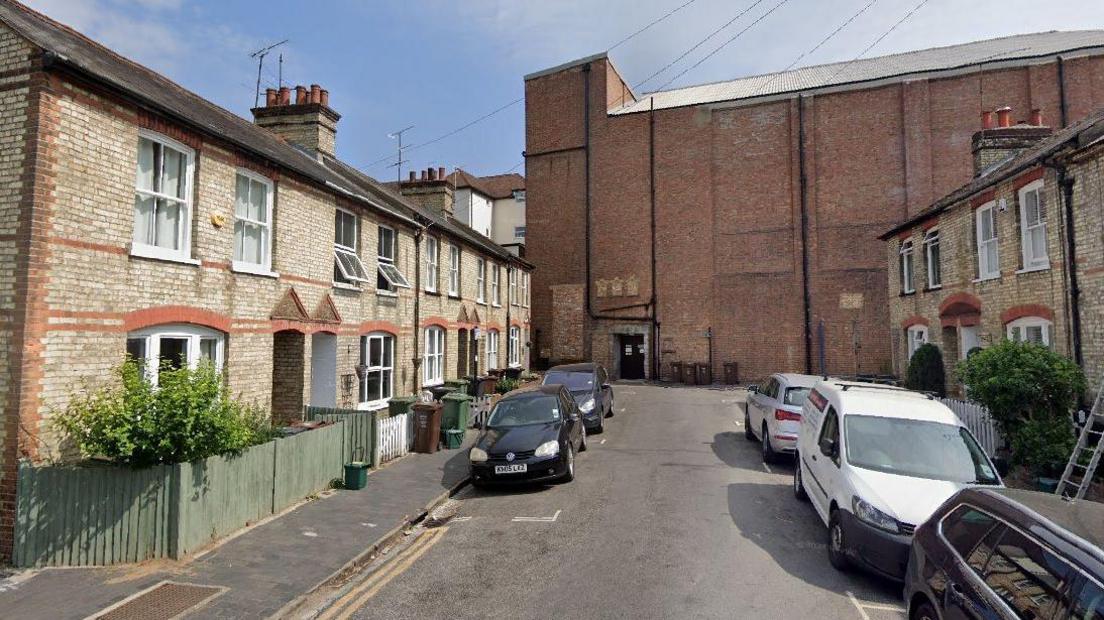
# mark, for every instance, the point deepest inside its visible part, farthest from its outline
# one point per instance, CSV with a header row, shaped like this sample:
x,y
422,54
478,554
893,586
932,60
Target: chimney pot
x,y
413,176
422,176
285,96
300,95
1037,117
441,173
270,97
325,97
987,120
315,93
1004,117
432,174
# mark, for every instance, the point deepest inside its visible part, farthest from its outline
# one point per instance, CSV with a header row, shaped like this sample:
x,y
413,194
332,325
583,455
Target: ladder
x,y
1090,445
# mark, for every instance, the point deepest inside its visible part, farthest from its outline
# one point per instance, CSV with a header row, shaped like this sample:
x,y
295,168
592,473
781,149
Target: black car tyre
x,y
924,611
748,433
582,441
609,412
769,455
837,546
601,428
569,475
798,484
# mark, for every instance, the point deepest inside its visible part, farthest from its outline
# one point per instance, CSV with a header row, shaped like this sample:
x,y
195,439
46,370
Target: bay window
x,y
433,362
377,355
163,198
174,346
1031,329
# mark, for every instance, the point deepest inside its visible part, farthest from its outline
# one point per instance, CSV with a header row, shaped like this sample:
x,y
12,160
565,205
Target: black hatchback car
x,y
532,435
1007,553
589,385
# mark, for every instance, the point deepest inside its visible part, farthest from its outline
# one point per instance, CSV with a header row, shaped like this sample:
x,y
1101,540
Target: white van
x,y
876,461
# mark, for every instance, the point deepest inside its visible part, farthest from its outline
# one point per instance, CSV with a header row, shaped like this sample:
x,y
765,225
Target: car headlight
x,y
587,405
548,448
871,515
478,455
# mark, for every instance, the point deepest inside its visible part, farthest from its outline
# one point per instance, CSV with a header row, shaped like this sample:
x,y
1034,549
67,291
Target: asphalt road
x,y
672,515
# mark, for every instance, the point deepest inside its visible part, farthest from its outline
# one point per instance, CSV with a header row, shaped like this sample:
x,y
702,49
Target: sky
x,y
439,65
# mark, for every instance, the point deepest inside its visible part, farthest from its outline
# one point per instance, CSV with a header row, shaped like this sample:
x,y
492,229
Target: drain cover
x,y
161,602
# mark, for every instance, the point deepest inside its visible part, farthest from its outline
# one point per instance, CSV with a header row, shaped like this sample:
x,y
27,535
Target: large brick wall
x,y
728,205
1087,171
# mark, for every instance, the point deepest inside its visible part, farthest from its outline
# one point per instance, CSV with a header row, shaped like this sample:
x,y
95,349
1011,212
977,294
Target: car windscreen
x,y
796,396
573,381
916,448
525,410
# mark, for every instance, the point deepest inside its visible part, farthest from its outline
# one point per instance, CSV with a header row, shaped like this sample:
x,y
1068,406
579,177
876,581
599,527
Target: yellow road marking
x,y
346,605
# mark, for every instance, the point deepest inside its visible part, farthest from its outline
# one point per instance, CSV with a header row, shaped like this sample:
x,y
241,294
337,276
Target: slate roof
x,y
1082,133
1017,49
495,186
68,49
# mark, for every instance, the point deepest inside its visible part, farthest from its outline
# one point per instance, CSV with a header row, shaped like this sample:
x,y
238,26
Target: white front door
x,y
967,339
323,370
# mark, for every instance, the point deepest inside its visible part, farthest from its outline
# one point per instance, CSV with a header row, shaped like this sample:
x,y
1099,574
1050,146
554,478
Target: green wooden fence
x,y
103,514
360,431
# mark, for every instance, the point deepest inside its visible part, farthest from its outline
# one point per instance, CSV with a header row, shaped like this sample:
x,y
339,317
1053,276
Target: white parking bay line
x,y
767,468
551,519
862,606
461,519
855,602
602,443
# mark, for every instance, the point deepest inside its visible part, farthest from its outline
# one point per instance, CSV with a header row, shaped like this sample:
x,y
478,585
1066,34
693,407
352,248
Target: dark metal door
x,y
631,352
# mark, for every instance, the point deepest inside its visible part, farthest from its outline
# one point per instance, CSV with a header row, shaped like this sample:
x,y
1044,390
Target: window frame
x,y
194,334
455,256
513,347
433,360
383,367
481,280
1024,322
265,266
496,285
512,283
519,232
492,349
184,234
1031,262
351,252
907,267
916,329
432,264
989,210
933,265
396,280
524,289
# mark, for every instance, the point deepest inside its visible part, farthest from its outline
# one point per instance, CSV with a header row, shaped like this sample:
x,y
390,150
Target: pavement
x,y
672,515
262,569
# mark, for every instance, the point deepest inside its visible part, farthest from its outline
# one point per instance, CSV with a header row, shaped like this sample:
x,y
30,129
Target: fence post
x,y
375,439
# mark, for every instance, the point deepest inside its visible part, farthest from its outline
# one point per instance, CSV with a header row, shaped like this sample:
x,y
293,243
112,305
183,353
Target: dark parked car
x,y
1007,553
589,386
532,434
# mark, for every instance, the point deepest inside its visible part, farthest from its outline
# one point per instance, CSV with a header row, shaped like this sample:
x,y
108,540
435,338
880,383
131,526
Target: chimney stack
x,y
309,123
993,145
429,187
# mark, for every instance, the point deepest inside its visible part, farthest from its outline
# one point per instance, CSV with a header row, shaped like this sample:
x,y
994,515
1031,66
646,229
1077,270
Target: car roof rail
x,y
844,386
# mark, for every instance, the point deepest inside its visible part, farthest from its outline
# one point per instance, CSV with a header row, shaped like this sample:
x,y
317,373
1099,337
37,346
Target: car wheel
x,y
924,611
609,412
837,546
569,475
582,442
769,455
601,428
748,433
798,485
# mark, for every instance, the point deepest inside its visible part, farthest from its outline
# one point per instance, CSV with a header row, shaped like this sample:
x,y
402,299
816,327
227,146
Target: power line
x,y
879,39
654,22
725,44
699,44
817,46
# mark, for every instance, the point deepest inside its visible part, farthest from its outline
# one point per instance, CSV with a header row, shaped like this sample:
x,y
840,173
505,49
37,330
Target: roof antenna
x,y
260,56
398,135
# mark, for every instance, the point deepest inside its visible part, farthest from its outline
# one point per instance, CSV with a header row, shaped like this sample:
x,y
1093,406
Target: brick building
x,y
728,221
1018,252
137,217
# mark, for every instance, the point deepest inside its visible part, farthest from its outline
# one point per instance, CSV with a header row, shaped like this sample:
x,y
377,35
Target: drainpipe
x,y
1063,105
1065,183
510,270
651,190
804,187
417,359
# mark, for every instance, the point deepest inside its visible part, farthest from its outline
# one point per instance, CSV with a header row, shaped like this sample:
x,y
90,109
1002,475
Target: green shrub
x,y
925,371
188,416
1030,392
506,384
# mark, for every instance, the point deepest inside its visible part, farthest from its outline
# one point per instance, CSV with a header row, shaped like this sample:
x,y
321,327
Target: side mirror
x,y
753,388
606,386
1002,465
829,448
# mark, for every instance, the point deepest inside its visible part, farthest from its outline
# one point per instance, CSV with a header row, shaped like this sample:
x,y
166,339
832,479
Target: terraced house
x,y
140,218
1017,252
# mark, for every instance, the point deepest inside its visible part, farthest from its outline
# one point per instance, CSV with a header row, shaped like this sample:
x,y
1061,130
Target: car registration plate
x,y
518,468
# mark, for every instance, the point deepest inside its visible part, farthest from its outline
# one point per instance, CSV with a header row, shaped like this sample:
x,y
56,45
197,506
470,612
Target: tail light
x,y
782,415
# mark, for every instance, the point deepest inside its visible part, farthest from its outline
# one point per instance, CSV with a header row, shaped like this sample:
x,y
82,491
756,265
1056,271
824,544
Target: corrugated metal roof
x,y
1005,49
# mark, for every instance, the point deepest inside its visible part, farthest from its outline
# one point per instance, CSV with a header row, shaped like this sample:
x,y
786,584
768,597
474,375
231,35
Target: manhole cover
x,y
163,601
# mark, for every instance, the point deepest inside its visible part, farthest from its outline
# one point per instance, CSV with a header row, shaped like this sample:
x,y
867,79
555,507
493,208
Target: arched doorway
x,y
288,376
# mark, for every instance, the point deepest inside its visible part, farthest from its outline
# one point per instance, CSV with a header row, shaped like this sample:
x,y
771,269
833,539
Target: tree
x,y
925,371
1030,391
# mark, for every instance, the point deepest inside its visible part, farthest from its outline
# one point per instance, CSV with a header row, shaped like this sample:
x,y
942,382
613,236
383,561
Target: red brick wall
x,y
728,207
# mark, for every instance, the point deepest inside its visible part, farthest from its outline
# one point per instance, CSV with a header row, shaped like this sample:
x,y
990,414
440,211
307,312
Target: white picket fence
x,y
393,438
977,419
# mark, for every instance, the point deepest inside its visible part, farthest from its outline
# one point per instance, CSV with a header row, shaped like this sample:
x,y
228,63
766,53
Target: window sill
x,y
253,269
929,289
481,302
1033,269
388,294
375,405
431,293
141,250
496,305
346,287
906,293
987,278
433,384
453,296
